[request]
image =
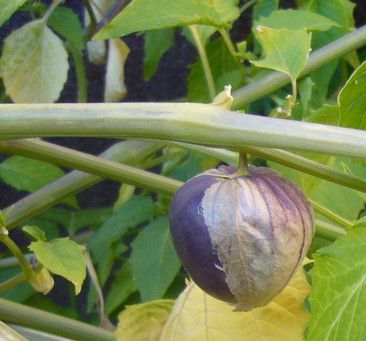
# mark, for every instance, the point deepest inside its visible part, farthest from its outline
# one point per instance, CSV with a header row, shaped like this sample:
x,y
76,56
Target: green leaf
x,y
35,232
204,32
328,114
7,9
284,50
226,70
134,212
63,257
295,20
352,100
34,64
263,8
154,260
122,286
143,321
8,334
142,15
338,295
306,87
30,175
125,193
67,24
157,42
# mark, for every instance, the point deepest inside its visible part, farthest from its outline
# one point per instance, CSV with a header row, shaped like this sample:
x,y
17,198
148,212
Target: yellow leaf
x,y
115,88
143,322
198,316
34,64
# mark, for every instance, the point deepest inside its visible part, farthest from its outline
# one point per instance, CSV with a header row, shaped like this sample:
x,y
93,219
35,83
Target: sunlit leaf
x,y
115,88
7,8
296,20
18,172
35,232
157,42
63,257
142,15
204,32
338,295
198,316
34,64
8,334
143,322
352,100
284,50
153,259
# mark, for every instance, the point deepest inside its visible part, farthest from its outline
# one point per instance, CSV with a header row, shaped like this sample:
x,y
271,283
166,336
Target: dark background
x,y
168,84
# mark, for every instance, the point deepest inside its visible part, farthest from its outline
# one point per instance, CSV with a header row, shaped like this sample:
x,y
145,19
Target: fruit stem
x,y
243,168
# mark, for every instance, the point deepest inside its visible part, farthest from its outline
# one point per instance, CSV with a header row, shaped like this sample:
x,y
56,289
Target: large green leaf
x,y
7,8
338,295
352,100
284,50
226,70
157,42
63,257
154,261
296,20
135,211
34,64
144,321
30,175
142,15
122,286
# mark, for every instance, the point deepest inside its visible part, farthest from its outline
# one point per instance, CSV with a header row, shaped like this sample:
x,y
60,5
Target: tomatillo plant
x,y
227,224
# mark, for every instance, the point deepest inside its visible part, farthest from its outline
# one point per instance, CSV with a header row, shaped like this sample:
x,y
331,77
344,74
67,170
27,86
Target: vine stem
x,y
186,122
243,168
14,249
49,322
204,60
225,35
12,282
330,214
247,5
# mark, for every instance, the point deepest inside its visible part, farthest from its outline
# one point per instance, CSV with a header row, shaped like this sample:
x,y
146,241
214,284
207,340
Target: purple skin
x,y
191,235
192,241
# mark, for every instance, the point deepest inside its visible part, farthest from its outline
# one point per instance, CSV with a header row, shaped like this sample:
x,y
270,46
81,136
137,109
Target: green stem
x,y
129,152
243,168
81,80
225,35
88,163
14,249
317,59
330,214
186,122
93,20
52,323
247,5
328,231
204,60
53,6
12,282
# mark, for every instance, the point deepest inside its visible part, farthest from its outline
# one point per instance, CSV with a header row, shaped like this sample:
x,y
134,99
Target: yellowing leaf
x,y
115,88
198,316
34,64
284,50
143,322
7,8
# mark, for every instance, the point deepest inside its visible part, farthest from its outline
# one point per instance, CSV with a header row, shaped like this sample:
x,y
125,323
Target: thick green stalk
x,y
285,158
317,59
88,163
129,152
52,323
187,122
